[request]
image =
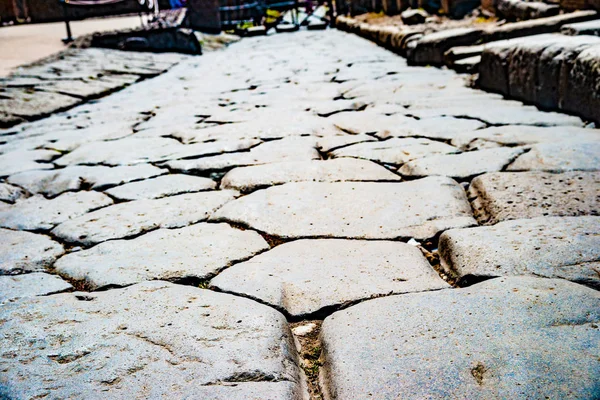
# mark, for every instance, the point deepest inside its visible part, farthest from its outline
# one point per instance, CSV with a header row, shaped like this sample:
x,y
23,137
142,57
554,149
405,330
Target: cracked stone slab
x,y
287,149
552,247
336,170
128,219
329,143
500,196
30,285
462,165
10,193
55,182
368,122
395,151
26,252
435,128
25,160
517,135
518,337
366,210
28,104
171,341
304,277
132,150
560,157
198,251
167,185
38,213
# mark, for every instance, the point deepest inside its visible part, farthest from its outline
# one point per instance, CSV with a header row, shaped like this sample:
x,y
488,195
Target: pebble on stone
x,y
500,196
80,177
552,247
30,285
288,149
366,210
517,337
131,218
38,213
198,252
462,165
26,252
560,157
336,170
395,151
167,185
150,340
306,277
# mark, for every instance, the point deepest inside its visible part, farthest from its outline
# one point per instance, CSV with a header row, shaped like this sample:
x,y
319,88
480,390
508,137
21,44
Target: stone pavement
x,y
300,216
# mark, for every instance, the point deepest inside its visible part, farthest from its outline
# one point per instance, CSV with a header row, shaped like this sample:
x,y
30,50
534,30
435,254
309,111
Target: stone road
x,y
300,216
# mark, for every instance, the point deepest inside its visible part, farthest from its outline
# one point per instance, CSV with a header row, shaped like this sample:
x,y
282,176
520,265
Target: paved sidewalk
x,y
24,44
300,216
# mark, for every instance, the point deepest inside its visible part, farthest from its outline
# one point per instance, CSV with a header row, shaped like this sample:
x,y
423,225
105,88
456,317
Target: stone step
x,y
582,28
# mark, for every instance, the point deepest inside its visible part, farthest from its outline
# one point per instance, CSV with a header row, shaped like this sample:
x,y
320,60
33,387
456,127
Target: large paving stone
x,y
25,160
54,182
289,149
162,186
129,219
552,247
515,135
132,150
198,251
559,157
461,165
38,213
331,142
515,337
30,285
30,104
26,252
435,128
306,277
353,210
336,170
395,151
151,340
500,196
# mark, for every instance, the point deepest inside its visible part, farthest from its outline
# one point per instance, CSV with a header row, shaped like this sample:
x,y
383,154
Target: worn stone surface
x,y
79,177
171,341
559,157
336,170
38,213
353,210
306,277
582,28
500,196
130,151
516,135
25,160
162,186
552,247
198,251
462,165
10,193
289,149
395,151
128,219
26,252
511,337
30,285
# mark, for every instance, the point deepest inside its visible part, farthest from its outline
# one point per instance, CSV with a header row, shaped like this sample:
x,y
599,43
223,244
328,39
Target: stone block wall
x,y
551,71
